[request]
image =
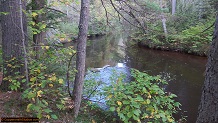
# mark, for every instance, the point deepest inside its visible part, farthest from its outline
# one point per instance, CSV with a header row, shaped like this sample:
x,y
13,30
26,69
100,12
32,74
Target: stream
x,y
185,73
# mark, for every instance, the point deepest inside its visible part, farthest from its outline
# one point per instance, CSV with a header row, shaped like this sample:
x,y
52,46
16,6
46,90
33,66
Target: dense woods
x,y
44,50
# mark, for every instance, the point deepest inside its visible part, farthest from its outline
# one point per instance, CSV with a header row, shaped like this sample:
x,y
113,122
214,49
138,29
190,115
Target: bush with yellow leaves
x,y
142,100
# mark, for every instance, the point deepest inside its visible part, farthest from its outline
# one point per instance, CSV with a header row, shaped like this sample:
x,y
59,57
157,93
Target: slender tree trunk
x,y
23,43
39,37
12,38
81,55
173,7
208,108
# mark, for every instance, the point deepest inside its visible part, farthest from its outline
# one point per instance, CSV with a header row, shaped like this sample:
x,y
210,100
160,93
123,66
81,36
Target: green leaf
x,y
122,116
129,114
44,82
60,106
46,103
112,108
148,101
137,112
53,116
47,110
126,102
23,80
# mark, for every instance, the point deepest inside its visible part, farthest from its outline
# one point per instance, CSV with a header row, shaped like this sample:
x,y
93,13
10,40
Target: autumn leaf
x,y
51,85
39,93
9,65
46,47
33,79
34,14
28,107
61,81
48,116
53,78
119,103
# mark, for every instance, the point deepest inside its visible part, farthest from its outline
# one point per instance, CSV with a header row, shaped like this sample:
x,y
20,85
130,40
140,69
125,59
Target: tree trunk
x,y
39,37
81,55
173,7
12,38
208,108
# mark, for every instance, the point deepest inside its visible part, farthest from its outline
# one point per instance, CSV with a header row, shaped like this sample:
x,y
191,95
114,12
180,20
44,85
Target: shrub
x,y
142,100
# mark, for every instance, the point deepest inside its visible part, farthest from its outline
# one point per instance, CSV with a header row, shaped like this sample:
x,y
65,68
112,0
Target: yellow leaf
x,y
70,53
33,99
13,58
109,97
34,14
62,39
9,65
119,103
33,23
53,78
43,26
39,93
33,79
170,119
28,107
149,96
48,116
46,47
61,81
93,121
51,85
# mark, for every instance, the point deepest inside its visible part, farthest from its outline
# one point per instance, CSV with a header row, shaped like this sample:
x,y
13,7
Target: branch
x,y
56,10
68,75
122,15
105,11
208,28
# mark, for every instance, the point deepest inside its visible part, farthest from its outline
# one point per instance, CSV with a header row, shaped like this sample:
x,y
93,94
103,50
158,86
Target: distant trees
x,y
13,37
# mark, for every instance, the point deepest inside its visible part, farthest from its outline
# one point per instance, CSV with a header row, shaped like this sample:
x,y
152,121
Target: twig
x,y
208,28
68,75
93,91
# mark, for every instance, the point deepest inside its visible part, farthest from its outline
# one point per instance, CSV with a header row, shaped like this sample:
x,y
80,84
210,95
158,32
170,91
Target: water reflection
x,y
184,72
186,69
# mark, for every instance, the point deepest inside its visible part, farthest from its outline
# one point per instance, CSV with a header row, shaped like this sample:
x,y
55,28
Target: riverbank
x,y
175,44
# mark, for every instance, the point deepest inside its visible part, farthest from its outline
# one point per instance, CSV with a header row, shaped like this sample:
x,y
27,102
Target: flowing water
x,y
185,73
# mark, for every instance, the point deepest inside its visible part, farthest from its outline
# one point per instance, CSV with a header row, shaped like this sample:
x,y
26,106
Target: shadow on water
x,y
183,72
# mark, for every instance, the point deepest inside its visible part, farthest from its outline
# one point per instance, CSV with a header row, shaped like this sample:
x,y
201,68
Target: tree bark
x,y
81,55
12,38
208,108
39,37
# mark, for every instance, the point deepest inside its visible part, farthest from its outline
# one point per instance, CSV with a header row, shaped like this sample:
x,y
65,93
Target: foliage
x,y
142,100
45,92
15,78
36,27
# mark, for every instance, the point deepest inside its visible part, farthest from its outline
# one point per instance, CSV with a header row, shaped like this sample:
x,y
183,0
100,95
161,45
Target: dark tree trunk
x,y
12,38
81,55
41,18
208,108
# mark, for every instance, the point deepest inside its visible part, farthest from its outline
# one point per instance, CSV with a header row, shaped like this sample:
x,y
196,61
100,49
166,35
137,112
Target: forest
x,y
109,61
